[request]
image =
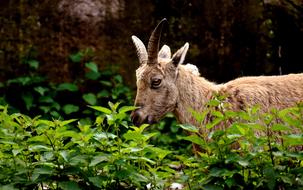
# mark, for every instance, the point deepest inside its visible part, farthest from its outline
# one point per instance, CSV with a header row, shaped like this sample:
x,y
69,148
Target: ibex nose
x,y
137,117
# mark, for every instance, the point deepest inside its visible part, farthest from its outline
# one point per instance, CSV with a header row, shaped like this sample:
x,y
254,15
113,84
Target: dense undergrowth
x,y
33,94
67,136
113,154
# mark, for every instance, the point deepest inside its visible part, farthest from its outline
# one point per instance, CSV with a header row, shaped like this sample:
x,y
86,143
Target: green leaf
x,y
118,78
92,75
106,83
79,160
55,114
270,175
220,172
39,148
104,135
45,122
69,108
64,155
8,187
98,159
28,100
101,109
92,66
141,128
66,122
67,86
127,109
77,57
90,98
41,90
134,135
189,128
215,122
241,129
41,171
161,153
16,152
217,114
41,138
199,116
216,135
279,127
33,64
69,185
213,103
123,174
103,93
66,134
293,139
45,99
243,163
194,139
113,106
98,181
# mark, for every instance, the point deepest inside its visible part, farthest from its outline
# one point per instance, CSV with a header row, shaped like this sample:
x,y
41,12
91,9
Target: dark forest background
x,y
228,38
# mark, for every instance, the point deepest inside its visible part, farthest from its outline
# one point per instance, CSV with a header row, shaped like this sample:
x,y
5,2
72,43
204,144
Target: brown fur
x,y
266,91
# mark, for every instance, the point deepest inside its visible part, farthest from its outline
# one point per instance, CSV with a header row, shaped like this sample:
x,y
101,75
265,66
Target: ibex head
x,y
157,92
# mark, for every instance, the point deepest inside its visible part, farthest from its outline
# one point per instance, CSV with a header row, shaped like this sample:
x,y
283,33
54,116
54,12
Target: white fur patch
x,y
192,68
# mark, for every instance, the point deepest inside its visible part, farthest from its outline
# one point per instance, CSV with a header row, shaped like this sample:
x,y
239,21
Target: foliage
x,y
42,154
251,151
113,154
37,96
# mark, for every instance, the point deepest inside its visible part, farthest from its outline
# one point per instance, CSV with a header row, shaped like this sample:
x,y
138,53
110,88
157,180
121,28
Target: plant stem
x,y
269,145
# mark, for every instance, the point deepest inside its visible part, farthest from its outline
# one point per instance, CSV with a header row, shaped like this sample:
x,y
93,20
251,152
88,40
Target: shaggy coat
x,y
266,91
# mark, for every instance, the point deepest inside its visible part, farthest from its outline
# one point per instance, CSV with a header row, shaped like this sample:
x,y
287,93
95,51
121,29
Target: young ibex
x,y
165,85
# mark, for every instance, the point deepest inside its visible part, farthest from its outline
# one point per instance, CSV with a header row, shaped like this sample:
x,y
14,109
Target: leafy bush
x,y
254,151
42,154
113,154
33,94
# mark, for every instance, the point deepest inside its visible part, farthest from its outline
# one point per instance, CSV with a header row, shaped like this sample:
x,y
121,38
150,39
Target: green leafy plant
x,y
254,151
113,154
39,154
37,96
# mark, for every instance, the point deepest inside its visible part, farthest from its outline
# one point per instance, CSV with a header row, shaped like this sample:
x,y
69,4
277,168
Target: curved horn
x,y
153,43
141,50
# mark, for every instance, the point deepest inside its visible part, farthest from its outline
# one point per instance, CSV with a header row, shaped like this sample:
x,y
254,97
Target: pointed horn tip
x,y
164,19
134,37
186,45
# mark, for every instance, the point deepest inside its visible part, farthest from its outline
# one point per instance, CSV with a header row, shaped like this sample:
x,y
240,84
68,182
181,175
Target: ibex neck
x,y
194,93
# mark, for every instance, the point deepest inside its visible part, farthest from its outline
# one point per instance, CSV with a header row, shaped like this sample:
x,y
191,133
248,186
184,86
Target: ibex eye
x,y
156,82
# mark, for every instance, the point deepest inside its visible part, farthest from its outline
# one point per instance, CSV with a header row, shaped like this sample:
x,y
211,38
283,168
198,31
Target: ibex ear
x,y
179,56
165,52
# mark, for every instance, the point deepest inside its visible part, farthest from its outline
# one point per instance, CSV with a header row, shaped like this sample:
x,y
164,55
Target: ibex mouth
x,y
138,118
